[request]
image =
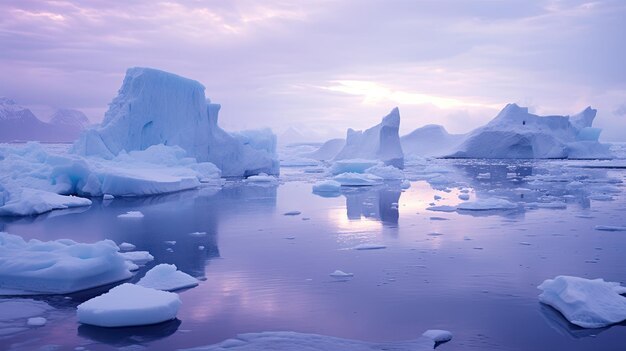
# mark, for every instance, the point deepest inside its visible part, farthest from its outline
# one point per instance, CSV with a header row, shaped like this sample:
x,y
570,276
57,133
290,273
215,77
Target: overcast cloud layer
x,y
327,65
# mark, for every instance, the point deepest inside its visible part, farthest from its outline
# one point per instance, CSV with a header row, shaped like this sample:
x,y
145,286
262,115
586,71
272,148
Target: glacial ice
x,y
386,172
137,257
429,141
357,165
131,214
327,186
129,305
516,133
159,108
289,341
28,202
57,267
167,277
487,204
357,179
327,151
380,142
341,274
585,302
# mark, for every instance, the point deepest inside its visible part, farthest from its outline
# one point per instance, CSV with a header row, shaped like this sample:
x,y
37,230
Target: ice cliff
x,y
380,142
156,107
516,133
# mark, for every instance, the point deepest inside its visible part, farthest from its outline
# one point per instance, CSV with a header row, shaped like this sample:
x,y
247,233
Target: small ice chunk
x,y
36,321
487,204
262,178
485,175
131,214
327,186
438,335
358,179
137,257
129,305
170,242
584,302
610,228
442,208
386,172
292,213
199,234
369,247
108,197
341,274
126,246
167,277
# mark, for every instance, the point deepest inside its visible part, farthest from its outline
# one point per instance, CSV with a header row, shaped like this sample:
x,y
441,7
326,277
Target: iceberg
x,y
167,277
380,142
327,186
154,107
328,150
57,267
585,302
431,140
129,305
289,341
516,133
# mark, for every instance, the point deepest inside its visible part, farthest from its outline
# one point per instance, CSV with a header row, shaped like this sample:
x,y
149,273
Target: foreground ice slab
x,y
584,302
155,107
381,142
167,277
516,133
28,202
291,341
57,267
129,305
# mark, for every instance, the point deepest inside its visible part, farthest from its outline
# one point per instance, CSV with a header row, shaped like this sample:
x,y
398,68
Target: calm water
x,y
474,274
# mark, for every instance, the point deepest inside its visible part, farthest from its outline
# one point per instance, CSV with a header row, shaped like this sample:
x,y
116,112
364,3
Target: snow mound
x,y
327,186
380,142
290,341
584,302
487,204
129,305
167,277
155,107
516,133
57,267
430,141
357,179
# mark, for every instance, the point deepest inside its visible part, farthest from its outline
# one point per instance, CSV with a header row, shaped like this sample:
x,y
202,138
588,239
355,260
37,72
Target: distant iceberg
x,y
516,133
430,140
155,107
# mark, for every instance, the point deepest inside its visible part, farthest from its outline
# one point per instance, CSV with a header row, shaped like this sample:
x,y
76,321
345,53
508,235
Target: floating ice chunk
x,y
126,246
137,257
131,214
36,321
610,228
357,165
486,175
584,302
357,179
129,305
386,172
167,277
262,178
291,341
442,208
487,204
552,205
28,202
327,186
369,247
292,213
57,267
341,274
438,335
108,197
199,234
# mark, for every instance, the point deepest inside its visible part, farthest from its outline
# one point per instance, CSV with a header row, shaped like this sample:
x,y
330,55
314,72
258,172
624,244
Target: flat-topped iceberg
x,y
155,107
129,305
516,133
57,267
585,302
380,142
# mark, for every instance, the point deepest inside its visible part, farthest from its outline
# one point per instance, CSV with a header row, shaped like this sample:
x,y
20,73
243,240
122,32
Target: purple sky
x,y
326,65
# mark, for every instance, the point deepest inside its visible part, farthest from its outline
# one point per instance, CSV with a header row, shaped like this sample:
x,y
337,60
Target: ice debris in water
x,y
341,274
126,246
137,257
357,179
57,267
438,335
129,305
131,214
487,204
167,277
585,302
327,186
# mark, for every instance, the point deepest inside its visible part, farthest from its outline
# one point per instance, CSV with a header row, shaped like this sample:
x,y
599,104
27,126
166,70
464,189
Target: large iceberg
x,y
380,142
429,140
516,133
155,107
57,267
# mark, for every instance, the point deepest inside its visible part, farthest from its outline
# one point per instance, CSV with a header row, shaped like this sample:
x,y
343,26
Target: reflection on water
x,y
474,273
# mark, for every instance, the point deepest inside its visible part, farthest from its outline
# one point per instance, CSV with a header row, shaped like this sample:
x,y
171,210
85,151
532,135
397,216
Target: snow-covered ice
x,y
487,204
262,178
585,302
28,202
131,214
327,186
57,267
341,274
36,321
438,335
167,277
386,172
291,341
129,305
380,142
126,246
137,257
357,179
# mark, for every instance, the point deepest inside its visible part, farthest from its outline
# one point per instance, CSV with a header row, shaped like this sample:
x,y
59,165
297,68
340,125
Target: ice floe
x,y
167,277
